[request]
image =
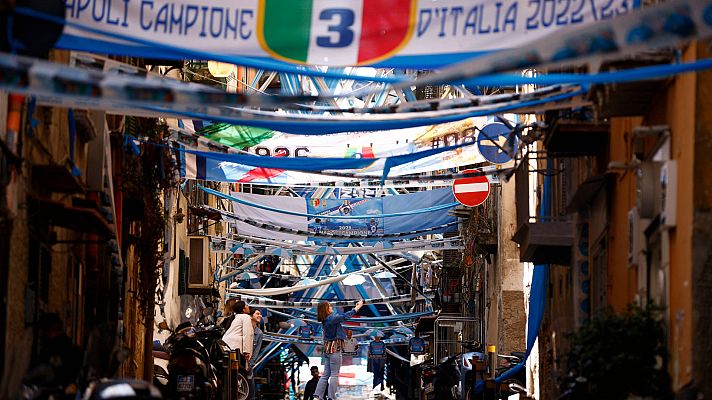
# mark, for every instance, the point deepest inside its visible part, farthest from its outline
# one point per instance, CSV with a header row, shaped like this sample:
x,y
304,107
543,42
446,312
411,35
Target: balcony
x,y
56,178
541,239
630,98
545,241
574,138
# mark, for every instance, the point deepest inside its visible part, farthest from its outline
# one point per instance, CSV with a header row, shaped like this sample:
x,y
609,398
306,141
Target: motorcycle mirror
x,y
163,325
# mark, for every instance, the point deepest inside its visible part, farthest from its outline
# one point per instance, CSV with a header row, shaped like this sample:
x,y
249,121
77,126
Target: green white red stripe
x,y
334,32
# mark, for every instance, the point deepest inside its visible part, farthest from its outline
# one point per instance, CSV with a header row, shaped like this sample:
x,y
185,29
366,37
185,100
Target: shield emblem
x,y
335,32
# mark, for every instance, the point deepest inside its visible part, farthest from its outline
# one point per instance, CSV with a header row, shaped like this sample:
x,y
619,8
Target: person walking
x,y
310,387
256,318
240,334
334,337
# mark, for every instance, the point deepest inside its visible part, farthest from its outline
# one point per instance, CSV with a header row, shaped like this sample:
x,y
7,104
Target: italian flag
x,y
335,32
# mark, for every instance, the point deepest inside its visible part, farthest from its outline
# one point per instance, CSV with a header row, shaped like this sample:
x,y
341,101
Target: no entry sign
x,y
471,191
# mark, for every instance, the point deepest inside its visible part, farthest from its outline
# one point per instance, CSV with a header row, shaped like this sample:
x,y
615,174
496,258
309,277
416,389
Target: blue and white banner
x,y
413,33
335,207
346,227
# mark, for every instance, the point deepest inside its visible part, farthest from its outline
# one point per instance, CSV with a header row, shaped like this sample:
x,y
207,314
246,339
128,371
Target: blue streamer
x,y
537,306
389,318
316,164
636,74
302,127
298,214
72,138
181,53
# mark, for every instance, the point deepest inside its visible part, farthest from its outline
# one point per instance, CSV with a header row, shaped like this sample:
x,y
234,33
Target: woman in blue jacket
x,y
334,337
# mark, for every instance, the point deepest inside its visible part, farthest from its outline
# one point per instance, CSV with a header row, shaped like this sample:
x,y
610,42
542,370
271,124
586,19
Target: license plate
x,y
186,383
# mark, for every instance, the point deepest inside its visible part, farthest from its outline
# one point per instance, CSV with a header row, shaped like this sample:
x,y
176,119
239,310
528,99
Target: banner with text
x,y
414,33
347,145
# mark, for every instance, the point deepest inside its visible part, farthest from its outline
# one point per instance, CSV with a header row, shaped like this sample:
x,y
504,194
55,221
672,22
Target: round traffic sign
x,y
471,191
492,143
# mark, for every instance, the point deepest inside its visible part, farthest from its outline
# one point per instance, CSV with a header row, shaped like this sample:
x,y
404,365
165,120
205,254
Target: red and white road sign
x,y
471,191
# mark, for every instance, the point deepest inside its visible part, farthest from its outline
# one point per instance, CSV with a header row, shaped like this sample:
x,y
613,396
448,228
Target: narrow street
x,y
355,199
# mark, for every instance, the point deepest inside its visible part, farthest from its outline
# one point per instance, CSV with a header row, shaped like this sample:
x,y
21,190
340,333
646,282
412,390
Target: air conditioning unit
x,y
636,236
199,270
668,194
648,189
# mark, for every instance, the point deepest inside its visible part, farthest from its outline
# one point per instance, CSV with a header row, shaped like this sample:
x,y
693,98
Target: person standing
x,y
256,318
310,388
240,334
350,349
228,316
377,356
334,337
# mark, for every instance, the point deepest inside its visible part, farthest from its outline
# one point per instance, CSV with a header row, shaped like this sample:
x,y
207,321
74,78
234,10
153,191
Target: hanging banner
x,y
397,33
347,207
364,228
349,145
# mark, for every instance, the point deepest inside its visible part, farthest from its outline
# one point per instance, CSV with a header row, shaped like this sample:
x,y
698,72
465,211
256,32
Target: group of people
x,y
243,333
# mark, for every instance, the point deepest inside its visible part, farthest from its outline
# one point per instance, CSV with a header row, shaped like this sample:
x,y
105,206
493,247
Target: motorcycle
x,y
447,379
427,376
117,389
190,374
516,383
200,365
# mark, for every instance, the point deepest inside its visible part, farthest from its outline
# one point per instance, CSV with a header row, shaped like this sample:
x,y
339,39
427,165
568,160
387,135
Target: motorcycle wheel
x,y
242,388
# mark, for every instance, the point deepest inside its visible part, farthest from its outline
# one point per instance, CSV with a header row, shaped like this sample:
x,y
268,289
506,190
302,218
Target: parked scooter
x,y
121,389
161,358
190,374
427,377
516,383
199,365
447,379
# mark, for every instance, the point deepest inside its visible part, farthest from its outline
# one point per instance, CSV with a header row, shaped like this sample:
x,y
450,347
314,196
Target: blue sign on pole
x,y
492,140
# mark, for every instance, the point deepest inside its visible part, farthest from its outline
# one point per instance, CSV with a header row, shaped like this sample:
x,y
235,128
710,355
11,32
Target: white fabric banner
x,y
417,33
294,204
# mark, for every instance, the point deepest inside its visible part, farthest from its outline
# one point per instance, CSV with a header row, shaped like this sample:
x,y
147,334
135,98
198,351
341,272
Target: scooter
x,y
447,379
200,365
121,389
516,383
190,374
427,377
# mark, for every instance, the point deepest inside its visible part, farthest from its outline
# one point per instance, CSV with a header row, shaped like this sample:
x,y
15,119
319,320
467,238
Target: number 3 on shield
x,y
342,19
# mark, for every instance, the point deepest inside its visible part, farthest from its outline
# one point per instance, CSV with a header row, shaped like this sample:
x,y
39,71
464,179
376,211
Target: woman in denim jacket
x,y
334,337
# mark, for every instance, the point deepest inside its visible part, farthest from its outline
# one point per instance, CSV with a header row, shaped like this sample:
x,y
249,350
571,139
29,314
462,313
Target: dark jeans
x,y
253,387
